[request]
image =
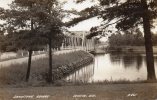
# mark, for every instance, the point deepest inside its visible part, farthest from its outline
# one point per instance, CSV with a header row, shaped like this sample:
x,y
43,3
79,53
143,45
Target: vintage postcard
x,y
78,49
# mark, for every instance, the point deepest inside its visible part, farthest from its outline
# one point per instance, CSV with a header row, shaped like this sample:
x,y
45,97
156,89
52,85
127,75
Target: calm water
x,y
113,67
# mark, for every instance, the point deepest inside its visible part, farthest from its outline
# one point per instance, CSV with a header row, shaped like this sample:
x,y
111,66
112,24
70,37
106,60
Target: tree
x,y
3,43
22,15
127,39
126,15
138,38
154,39
148,41
33,22
22,19
50,26
16,18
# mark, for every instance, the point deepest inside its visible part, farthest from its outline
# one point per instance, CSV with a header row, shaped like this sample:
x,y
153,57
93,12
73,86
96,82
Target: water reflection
x,y
113,67
139,60
82,75
128,60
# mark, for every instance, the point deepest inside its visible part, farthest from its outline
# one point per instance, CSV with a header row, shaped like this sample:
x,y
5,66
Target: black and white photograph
x,y
78,49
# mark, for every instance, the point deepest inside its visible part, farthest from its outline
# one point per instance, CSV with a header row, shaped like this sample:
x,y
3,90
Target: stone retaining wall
x,y
65,70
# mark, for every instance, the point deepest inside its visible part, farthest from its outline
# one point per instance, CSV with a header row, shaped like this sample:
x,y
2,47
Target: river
x,y
113,67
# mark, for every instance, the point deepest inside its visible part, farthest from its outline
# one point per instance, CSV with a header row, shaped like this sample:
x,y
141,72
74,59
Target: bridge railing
x,y
74,42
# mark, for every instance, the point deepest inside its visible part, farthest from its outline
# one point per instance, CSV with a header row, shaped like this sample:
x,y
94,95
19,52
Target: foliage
x,y
126,39
128,14
129,39
27,22
84,15
33,23
123,14
93,32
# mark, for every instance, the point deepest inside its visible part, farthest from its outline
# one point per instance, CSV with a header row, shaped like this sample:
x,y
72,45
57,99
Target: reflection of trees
x,y
139,61
155,58
133,60
115,58
128,60
82,75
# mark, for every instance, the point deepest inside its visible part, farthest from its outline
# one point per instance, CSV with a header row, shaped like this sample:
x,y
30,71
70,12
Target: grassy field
x,y
63,63
142,91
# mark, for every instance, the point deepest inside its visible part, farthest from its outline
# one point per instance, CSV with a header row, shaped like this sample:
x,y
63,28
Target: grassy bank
x,y
63,64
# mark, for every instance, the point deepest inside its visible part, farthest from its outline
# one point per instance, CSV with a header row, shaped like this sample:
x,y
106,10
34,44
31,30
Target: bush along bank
x,y
63,65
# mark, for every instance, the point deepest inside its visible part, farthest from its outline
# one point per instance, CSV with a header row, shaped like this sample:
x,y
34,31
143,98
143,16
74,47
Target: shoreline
x,y
124,49
72,67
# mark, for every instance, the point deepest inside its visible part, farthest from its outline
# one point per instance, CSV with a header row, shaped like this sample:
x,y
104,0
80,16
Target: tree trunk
x,y
29,65
50,60
30,56
148,43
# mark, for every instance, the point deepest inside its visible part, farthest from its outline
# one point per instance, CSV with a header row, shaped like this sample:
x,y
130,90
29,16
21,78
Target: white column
x,y
79,43
64,43
22,54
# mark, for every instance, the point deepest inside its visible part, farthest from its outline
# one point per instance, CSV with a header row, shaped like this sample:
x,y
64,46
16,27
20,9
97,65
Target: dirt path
x,y
143,91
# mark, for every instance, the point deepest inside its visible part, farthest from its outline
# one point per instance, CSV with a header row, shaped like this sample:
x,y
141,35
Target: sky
x,y
84,25
3,3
